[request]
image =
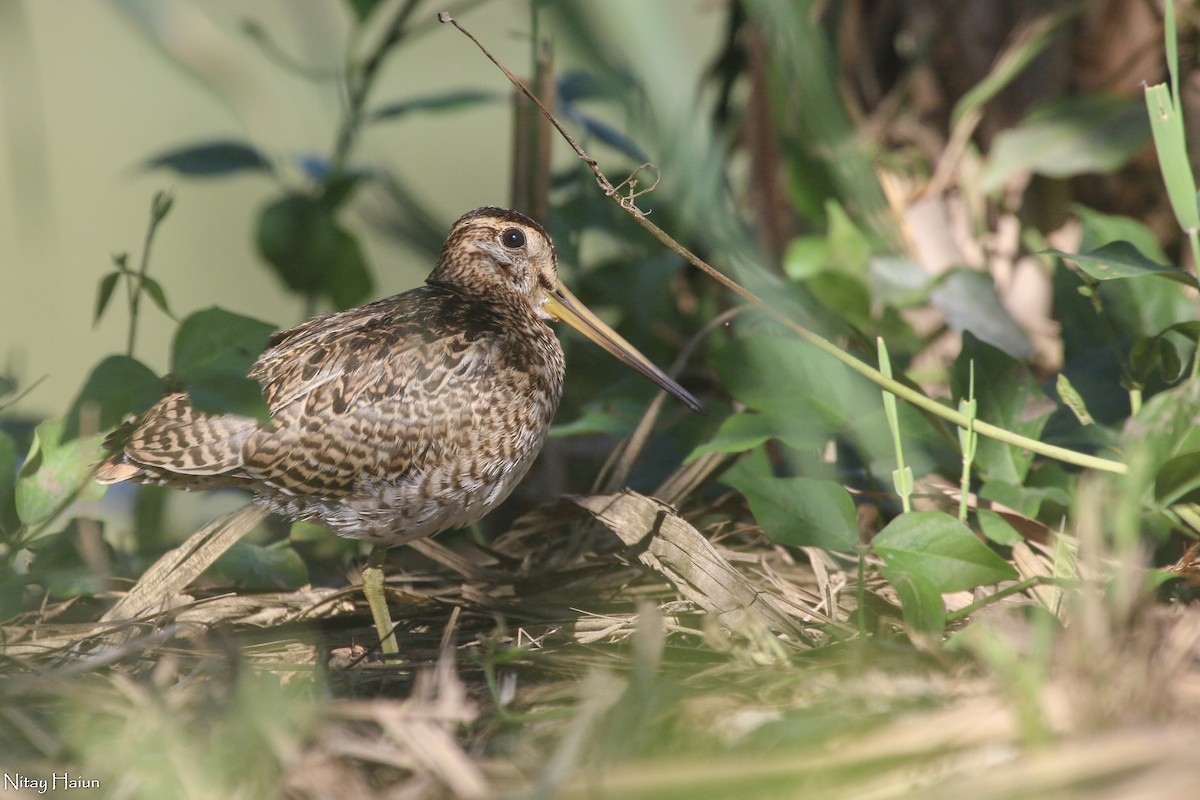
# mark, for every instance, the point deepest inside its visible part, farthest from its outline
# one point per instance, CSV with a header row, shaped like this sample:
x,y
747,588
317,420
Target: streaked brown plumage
x,y
400,418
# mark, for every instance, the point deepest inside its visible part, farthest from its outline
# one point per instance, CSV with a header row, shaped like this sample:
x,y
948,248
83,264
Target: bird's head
x,y
497,254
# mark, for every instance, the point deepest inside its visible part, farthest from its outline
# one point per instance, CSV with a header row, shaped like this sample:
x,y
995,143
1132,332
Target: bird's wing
x,y
366,398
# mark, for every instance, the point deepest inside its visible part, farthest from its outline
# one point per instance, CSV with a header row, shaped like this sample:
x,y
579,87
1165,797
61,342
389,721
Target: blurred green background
x,y
92,91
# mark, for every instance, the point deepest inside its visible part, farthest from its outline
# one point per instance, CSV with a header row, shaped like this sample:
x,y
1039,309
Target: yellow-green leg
x,y
372,576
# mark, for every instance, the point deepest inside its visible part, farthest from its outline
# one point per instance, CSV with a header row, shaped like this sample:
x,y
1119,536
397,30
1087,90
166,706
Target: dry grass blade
x,y
683,556
179,567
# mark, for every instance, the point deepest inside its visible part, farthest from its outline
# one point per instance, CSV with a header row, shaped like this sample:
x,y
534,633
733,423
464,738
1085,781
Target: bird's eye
x,y
513,238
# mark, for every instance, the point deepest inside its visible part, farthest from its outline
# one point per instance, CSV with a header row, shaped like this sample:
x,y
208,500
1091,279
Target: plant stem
x,y
913,396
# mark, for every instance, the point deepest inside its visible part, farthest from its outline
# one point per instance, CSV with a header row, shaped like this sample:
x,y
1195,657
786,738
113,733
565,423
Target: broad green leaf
x,y
996,528
213,351
1099,229
1024,499
968,299
806,257
1075,135
262,568
349,280
211,159
117,387
1118,260
849,248
1177,478
1007,396
607,417
311,252
803,512
804,396
446,101
1135,309
920,602
9,520
742,432
54,472
1162,425
936,549
1155,352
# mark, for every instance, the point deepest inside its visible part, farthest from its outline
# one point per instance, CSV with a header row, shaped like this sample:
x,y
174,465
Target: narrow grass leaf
x,y
1166,123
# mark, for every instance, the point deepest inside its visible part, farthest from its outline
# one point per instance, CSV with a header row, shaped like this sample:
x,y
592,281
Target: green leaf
x,y
54,472
104,293
997,529
261,568
1074,135
938,550
605,417
1007,396
1170,143
1024,499
211,159
1177,478
806,257
920,602
803,512
1118,260
362,9
446,101
307,248
213,351
742,432
9,520
349,282
969,300
117,387
1072,399
805,398
1162,426
155,291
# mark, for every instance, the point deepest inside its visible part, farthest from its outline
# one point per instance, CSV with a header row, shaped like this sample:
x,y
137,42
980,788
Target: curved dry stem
x,y
906,393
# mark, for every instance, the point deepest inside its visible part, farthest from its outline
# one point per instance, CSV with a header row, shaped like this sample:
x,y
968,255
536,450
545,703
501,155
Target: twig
x,y
912,396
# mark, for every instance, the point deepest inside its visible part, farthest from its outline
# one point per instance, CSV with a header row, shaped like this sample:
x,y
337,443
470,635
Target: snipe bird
x,y
400,418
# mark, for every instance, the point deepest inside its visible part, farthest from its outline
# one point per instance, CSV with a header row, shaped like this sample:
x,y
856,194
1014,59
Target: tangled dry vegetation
x,y
608,645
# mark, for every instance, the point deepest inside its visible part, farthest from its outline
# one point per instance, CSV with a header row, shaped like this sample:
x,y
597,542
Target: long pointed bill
x,y
564,306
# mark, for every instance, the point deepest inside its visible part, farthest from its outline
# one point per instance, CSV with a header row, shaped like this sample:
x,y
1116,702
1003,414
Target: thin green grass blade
x,y
1166,124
